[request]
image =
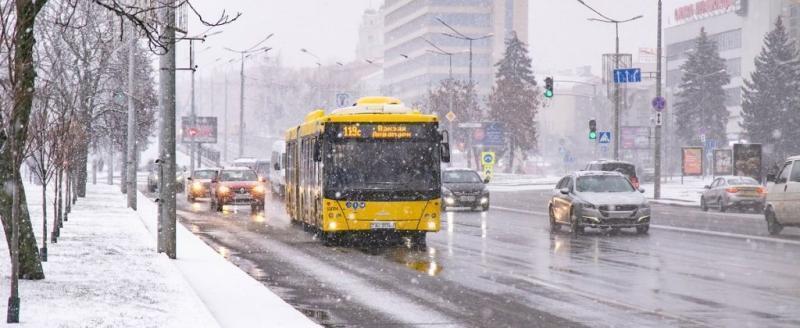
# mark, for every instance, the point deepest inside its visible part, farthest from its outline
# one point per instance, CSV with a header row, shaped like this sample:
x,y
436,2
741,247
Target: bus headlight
x,y
197,186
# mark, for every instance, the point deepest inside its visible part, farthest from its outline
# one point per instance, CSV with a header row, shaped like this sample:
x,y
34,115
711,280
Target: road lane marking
x,y
689,230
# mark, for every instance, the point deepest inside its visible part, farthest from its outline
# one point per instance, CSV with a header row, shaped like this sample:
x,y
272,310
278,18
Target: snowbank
x,y
233,297
103,271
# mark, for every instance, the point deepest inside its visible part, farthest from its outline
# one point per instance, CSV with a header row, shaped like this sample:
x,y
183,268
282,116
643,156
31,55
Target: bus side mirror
x,y
445,147
317,151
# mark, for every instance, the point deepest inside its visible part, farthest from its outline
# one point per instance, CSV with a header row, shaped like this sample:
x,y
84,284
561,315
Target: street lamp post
x,y
459,35
251,50
657,151
606,19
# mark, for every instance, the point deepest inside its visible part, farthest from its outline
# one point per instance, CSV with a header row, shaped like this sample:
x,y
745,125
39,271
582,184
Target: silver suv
x,y
783,197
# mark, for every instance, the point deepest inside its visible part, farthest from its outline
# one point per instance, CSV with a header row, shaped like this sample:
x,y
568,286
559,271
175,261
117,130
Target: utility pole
x,y
606,19
192,113
166,181
241,109
657,155
131,175
225,121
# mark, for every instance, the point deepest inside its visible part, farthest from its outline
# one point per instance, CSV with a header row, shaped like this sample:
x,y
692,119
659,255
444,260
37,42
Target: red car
x,y
237,185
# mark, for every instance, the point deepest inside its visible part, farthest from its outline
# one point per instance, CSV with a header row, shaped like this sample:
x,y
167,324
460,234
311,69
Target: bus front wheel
x,y
418,239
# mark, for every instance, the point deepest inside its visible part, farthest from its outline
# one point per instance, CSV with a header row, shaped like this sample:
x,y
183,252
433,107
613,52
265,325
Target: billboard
x,y
489,134
747,160
692,161
723,162
205,129
634,137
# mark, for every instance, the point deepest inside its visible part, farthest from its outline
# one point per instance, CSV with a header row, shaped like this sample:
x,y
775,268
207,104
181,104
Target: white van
x,y
783,197
277,173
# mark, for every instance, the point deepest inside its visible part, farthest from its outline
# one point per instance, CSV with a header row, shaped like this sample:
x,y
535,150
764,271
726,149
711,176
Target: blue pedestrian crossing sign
x,y
604,138
487,158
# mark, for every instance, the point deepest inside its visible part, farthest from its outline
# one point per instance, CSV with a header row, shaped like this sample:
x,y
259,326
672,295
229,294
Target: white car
x,y
783,197
598,199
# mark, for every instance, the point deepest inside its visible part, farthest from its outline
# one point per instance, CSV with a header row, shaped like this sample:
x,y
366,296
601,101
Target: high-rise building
x,y
370,36
412,66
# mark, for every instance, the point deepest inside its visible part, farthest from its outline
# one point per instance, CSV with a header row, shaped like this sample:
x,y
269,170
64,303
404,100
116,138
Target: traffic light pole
x,y
657,154
616,95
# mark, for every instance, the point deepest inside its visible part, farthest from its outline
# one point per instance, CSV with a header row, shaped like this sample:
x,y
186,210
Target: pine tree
x,y
515,98
770,103
700,106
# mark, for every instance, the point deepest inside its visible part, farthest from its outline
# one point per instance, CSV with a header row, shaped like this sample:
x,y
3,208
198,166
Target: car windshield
x,y
238,175
204,174
461,177
743,181
603,183
627,169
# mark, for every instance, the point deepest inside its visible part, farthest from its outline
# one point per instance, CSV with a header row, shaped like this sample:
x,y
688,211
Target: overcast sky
x,y
560,35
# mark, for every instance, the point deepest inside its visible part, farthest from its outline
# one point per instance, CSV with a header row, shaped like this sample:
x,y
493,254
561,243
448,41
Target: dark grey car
x,y
464,188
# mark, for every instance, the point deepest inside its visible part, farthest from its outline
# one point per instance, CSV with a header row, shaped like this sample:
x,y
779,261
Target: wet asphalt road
x,y
504,268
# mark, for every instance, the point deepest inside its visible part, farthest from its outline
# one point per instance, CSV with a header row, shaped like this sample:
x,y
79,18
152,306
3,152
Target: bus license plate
x,y
382,225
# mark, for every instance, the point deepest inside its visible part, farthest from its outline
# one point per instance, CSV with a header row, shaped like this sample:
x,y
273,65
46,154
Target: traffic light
x,y
548,87
592,129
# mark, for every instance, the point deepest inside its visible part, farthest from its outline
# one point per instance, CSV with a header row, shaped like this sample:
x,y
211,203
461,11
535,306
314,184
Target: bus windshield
x,y
382,165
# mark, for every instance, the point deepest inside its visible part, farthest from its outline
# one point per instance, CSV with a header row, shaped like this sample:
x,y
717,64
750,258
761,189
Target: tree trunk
x,y
511,153
123,173
43,254
53,237
110,167
82,158
29,265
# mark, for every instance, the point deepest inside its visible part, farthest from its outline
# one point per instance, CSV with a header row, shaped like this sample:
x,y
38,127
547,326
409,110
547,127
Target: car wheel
x,y
151,188
642,229
485,208
577,229
218,206
190,198
721,206
773,226
554,226
703,205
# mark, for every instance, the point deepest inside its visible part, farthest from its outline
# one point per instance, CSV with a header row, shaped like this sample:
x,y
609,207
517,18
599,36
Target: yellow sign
x,y
450,116
379,131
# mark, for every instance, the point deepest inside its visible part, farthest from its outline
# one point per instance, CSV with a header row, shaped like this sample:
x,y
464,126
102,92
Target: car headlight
x,y
259,189
447,192
223,190
589,206
644,205
197,186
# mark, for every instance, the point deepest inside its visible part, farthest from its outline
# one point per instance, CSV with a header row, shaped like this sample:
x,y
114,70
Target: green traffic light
x,y
548,93
592,135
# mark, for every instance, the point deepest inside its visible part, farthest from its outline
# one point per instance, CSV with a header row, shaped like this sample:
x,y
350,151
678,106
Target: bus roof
x,y
365,110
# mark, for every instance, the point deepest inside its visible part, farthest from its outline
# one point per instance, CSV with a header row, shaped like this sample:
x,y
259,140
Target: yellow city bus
x,y
373,168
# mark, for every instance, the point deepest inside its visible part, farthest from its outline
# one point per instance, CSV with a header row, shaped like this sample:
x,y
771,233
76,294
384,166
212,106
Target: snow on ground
x,y
104,271
673,192
519,182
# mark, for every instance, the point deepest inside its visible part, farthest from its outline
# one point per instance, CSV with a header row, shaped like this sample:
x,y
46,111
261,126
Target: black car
x,y
626,168
464,188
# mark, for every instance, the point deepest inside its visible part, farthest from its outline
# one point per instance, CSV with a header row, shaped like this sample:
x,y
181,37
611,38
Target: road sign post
x,y
488,159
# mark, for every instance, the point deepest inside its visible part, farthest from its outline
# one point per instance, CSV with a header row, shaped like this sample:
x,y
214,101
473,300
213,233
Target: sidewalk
x,y
104,271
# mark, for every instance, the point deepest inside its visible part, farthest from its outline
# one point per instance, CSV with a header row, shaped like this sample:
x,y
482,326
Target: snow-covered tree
x,y
770,107
700,106
458,96
515,98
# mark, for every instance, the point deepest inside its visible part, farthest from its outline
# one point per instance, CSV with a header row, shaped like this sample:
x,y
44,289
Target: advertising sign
x,y
747,160
489,134
692,161
204,130
723,162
